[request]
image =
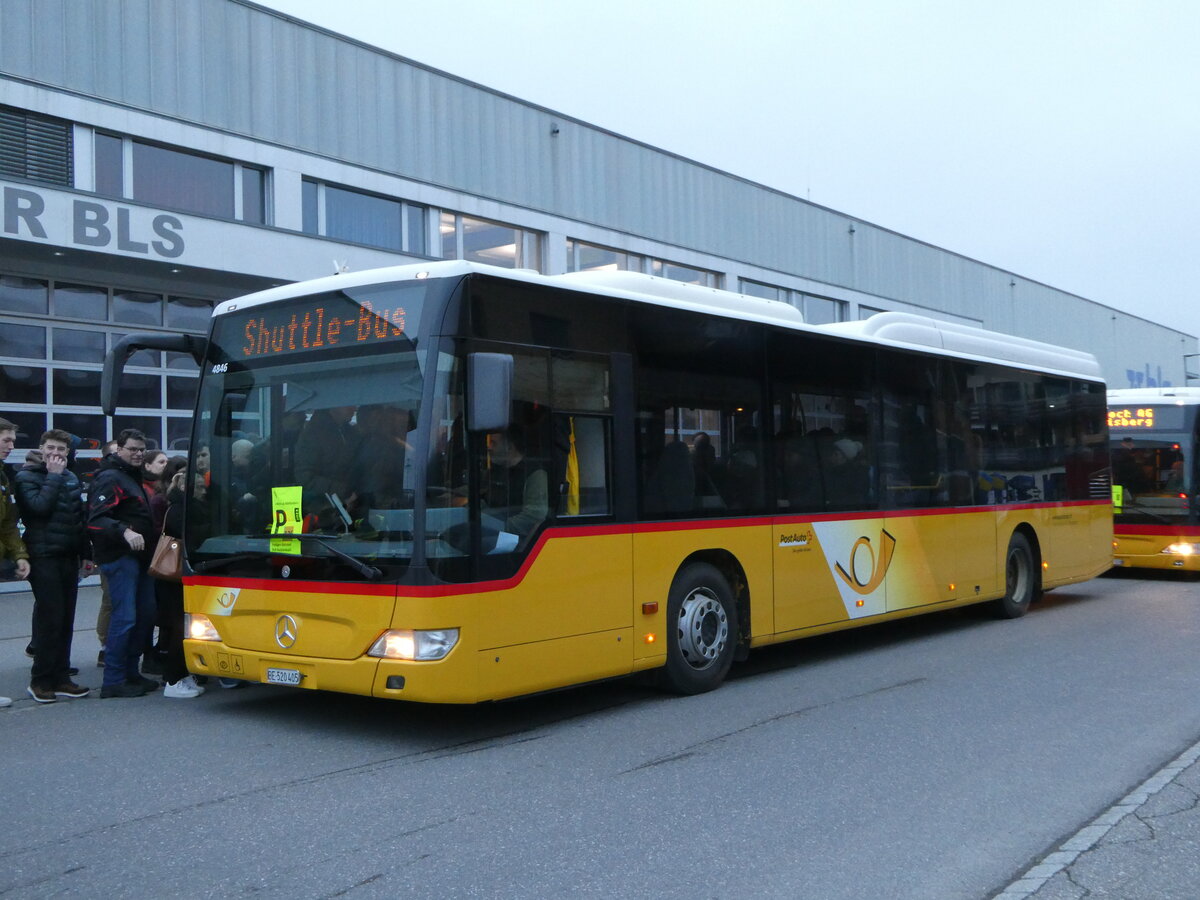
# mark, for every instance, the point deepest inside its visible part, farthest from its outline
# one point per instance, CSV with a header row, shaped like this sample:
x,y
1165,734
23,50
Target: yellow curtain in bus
x,y
572,476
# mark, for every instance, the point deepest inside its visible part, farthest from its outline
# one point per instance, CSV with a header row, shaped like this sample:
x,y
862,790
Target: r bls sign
x,y
94,224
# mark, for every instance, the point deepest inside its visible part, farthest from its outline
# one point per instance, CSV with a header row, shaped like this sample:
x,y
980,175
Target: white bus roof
x,y
895,329
1179,396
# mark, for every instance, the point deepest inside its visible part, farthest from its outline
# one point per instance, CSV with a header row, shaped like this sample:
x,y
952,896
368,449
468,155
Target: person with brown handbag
x,y
168,560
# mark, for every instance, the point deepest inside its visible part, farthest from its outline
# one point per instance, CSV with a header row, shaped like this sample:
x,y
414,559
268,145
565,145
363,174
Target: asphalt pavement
x,y
1145,846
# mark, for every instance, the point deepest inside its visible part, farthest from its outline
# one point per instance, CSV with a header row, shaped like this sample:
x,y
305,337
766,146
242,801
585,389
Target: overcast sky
x,y
1059,139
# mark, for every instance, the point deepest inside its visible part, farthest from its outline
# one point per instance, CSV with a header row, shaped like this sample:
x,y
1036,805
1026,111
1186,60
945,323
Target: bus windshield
x,y
304,447
1153,475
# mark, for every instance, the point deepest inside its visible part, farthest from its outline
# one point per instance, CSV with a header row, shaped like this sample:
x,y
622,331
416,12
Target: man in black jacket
x,y
122,532
50,498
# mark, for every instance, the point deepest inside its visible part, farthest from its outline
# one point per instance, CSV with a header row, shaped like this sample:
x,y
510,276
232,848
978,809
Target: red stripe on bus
x,y
558,533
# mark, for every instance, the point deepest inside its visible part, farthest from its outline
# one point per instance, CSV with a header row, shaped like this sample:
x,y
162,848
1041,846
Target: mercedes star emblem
x,y
285,632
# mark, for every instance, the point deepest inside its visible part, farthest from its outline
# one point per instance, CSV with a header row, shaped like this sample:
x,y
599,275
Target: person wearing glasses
x,y
121,528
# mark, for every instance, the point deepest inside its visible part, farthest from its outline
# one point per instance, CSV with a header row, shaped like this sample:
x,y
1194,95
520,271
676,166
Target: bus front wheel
x,y
702,630
1020,579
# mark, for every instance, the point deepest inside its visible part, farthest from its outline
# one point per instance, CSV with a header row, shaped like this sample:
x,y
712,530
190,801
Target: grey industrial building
x,y
159,155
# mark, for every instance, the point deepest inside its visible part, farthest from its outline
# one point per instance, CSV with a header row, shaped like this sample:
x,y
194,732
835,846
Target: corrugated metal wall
x,y
238,67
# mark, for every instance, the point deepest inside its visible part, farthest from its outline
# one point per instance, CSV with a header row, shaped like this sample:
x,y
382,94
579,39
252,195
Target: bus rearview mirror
x,y
489,391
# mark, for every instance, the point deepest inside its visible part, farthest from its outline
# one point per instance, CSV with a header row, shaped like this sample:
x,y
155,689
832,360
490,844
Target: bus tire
x,y
702,630
1020,579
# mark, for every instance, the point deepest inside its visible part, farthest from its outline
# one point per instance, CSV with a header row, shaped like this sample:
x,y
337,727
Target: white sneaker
x,y
191,682
5,701
181,690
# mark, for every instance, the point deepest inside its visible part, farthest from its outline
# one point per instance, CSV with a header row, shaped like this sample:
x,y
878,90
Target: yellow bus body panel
x,y
657,556
592,603
1145,551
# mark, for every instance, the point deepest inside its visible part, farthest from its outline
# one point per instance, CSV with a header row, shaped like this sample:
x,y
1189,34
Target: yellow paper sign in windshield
x,y
1118,497
286,503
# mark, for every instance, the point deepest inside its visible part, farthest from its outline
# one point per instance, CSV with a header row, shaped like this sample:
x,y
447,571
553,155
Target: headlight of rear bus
x,y
1182,549
415,645
199,628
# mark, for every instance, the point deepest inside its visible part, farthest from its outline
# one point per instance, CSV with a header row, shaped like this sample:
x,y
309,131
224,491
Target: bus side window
x,y
584,487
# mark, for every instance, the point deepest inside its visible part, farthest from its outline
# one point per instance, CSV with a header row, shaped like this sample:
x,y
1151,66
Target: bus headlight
x,y
415,645
199,628
1183,548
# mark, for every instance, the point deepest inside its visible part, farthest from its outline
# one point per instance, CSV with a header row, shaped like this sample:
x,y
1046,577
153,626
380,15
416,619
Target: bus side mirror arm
x,y
114,362
489,391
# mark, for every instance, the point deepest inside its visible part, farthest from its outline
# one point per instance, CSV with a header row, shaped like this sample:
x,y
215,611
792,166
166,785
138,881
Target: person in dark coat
x,y
121,527
50,498
179,684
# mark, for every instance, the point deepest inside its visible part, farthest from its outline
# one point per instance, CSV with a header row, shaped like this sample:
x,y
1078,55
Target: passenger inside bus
x,y
671,486
845,480
516,487
324,450
380,458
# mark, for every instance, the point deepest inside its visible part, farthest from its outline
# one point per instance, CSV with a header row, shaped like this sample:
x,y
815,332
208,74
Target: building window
x,y
35,147
763,291
23,295
493,243
585,257
822,310
816,310
50,373
686,274
361,218
170,178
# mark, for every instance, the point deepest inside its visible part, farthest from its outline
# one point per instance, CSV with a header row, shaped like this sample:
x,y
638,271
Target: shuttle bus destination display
x,y
1145,418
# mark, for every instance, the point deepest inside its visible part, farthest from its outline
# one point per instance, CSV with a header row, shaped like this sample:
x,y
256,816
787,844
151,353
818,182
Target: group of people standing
x,y
115,528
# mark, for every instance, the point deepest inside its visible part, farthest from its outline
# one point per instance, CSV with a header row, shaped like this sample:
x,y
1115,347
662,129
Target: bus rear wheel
x,y
1020,579
702,630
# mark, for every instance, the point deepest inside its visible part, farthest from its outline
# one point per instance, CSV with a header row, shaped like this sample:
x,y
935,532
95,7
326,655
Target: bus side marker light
x,y
199,628
950,586
414,645
651,638
650,608
1045,565
860,602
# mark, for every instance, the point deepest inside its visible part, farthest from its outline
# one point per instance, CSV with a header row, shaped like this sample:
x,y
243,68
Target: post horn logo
x,y
878,567
285,632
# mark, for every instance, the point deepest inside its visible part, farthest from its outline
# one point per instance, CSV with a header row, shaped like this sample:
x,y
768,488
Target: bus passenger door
x,y
562,613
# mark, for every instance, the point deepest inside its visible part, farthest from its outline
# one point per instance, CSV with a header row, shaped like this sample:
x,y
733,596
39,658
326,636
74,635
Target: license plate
x,y
284,676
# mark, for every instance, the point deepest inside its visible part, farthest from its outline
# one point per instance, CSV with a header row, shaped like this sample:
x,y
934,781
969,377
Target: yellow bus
x,y
452,483
1153,434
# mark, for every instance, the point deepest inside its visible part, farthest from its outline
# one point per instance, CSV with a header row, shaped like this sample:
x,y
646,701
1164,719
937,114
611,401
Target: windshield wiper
x,y
210,564
1147,511
366,570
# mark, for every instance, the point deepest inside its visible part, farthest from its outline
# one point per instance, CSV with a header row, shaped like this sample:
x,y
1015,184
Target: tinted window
x,y
701,445
825,443
163,177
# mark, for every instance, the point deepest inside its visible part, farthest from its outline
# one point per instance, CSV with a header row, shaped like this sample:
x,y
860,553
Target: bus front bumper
x,y
1156,552
441,681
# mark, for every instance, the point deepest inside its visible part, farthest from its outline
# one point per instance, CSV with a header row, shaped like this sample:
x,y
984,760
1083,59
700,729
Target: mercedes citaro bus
x,y
1153,434
449,482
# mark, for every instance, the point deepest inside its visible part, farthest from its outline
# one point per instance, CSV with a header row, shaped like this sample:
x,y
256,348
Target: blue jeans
x,y
133,610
